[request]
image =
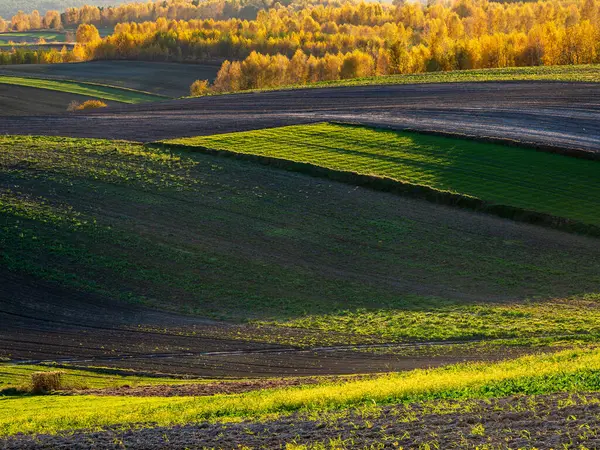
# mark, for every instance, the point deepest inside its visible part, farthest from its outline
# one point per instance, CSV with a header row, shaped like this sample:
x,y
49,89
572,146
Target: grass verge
x,y
508,181
567,371
104,92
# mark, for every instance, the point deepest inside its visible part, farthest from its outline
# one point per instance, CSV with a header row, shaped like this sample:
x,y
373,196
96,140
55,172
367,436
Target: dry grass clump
x,y
89,104
42,382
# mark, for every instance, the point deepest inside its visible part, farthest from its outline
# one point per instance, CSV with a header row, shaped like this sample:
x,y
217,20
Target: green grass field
x,y
522,178
571,371
230,239
97,91
395,268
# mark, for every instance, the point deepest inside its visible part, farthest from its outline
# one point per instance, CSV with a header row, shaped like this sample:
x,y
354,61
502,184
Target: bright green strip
x,y
553,184
97,91
565,371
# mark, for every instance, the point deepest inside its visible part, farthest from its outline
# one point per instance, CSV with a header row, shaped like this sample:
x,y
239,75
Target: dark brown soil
x,y
557,114
163,78
25,101
544,422
207,389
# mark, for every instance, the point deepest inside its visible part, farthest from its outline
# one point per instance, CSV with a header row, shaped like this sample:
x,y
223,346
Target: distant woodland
x,y
9,8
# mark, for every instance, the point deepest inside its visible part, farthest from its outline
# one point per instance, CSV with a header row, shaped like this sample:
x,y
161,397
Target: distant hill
x,y
9,8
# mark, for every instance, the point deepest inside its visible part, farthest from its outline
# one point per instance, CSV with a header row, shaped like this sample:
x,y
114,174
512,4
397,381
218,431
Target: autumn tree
x,y
87,34
199,88
52,20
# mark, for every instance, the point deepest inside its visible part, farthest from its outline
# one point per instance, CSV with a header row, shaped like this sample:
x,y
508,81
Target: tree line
x,y
108,16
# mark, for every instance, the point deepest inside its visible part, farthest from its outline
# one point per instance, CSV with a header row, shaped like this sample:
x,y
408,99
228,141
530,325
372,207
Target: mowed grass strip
x,y
116,94
551,184
571,371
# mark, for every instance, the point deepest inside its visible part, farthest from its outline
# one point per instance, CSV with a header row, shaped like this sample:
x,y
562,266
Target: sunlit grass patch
x,y
568,371
498,175
449,321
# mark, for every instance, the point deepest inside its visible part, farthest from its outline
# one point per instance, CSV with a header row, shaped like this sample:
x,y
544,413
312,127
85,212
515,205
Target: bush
x,y
42,382
199,88
89,104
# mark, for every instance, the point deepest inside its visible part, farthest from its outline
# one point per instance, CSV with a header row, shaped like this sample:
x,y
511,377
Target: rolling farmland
x,y
532,181
168,79
87,89
193,293
49,88
128,196
562,116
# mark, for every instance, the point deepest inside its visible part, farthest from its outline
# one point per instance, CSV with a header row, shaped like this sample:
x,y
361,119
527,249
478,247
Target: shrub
x,y
199,88
42,382
89,104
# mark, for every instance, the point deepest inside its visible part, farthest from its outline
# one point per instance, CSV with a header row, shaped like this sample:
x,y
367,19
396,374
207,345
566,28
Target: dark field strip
x,y
474,174
168,79
553,115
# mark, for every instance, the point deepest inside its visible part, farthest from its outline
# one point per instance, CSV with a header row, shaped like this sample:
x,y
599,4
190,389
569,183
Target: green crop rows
x,y
546,183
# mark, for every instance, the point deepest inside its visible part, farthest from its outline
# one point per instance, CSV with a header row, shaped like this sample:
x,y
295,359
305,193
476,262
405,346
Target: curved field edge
x,y
95,90
566,371
322,165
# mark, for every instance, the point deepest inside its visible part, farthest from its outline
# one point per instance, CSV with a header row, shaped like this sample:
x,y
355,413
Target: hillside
x,y
279,274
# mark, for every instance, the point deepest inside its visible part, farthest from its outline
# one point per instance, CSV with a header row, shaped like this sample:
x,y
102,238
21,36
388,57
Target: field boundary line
x,y
394,186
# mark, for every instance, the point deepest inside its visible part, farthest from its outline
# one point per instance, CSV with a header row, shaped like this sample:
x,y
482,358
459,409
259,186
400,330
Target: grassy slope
x,y
589,73
88,89
536,181
224,238
570,371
